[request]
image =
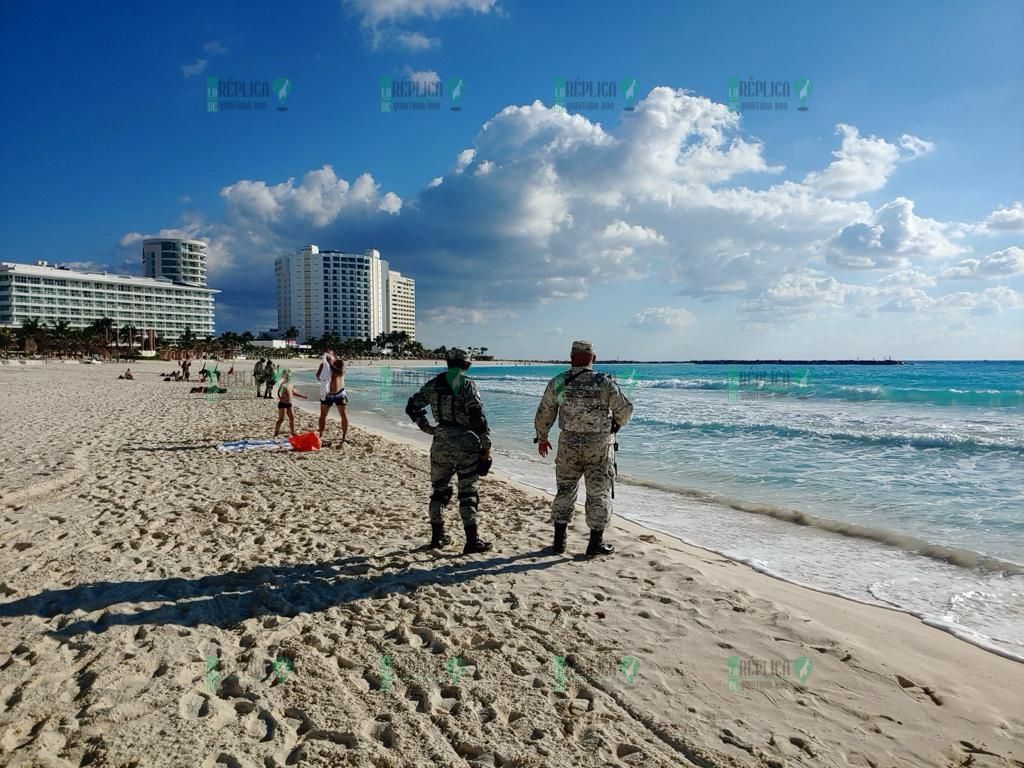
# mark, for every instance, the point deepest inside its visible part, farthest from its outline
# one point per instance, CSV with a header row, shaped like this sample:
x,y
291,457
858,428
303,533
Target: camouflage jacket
x,y
462,408
591,402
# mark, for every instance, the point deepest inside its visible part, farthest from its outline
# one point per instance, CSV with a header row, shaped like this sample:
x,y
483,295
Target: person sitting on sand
x,y
331,375
127,375
285,393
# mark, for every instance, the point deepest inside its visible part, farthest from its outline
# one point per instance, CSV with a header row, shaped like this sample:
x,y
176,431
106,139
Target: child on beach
x,y
285,393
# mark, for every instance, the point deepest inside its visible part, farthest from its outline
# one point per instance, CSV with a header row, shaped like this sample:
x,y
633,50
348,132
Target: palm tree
x,y
61,335
292,333
30,333
6,338
187,339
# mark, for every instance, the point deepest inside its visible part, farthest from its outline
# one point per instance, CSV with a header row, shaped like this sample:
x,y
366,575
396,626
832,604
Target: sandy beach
x,y
164,603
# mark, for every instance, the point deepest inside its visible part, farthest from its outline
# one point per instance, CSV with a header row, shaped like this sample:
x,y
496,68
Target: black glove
x,y
616,427
484,465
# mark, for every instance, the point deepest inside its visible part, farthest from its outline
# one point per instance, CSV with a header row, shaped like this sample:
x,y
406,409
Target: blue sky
x,y
885,220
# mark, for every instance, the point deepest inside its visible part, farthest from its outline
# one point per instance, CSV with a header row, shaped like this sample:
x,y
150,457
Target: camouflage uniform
x,y
588,404
460,436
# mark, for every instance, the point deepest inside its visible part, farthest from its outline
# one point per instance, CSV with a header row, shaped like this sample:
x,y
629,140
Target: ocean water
x,y
896,485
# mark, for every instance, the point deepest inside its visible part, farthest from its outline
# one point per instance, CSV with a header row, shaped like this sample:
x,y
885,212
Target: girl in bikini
x,y
285,393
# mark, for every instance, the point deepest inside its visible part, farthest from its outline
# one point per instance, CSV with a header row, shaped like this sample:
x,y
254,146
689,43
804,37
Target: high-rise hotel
x,y
355,295
170,297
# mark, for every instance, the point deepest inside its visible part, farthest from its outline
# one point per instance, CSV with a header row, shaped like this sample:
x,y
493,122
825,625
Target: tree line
x,y
104,338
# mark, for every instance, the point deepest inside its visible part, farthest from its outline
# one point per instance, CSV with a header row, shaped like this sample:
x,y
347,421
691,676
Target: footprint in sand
x,y
910,686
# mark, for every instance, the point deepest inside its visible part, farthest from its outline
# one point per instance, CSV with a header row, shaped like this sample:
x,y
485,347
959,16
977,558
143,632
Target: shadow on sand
x,y
226,599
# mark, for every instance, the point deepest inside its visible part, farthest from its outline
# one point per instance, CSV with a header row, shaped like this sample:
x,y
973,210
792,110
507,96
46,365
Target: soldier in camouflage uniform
x,y
461,445
590,408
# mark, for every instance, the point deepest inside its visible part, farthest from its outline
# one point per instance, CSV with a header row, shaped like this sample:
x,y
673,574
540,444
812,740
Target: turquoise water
x,y
900,485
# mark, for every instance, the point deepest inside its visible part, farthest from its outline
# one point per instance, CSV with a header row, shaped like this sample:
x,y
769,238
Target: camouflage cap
x,y
582,348
457,355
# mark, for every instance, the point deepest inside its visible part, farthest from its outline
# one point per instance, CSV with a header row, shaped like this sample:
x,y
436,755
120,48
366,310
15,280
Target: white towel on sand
x,y
325,376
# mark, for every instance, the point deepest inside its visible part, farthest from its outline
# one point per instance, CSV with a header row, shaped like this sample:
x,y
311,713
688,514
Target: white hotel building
x,y
354,295
46,293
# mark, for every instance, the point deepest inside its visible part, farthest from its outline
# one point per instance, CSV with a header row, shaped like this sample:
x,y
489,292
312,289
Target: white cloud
x,y
543,204
380,19
911,278
864,164
416,41
798,293
621,231
211,49
1006,219
893,237
391,203
663,317
375,12
195,68
318,200
426,77
214,48
463,159
1004,263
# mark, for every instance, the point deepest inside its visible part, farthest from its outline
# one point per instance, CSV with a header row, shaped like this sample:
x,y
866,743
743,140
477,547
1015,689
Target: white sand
x,y
131,551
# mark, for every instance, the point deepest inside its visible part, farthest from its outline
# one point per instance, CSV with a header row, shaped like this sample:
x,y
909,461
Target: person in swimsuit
x,y
335,393
285,393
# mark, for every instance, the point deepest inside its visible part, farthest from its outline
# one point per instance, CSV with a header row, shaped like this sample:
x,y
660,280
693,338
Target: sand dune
x,y
163,603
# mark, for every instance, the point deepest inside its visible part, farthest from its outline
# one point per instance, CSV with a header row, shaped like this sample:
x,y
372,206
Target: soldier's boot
x,y
474,544
558,546
438,538
597,545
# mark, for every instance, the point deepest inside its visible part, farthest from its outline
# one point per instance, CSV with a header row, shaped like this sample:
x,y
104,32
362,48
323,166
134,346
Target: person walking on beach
x,y
268,378
331,375
461,445
285,393
590,409
257,375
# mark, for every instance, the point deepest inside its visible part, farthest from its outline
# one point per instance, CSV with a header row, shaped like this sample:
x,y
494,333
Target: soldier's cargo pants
x,y
454,451
591,456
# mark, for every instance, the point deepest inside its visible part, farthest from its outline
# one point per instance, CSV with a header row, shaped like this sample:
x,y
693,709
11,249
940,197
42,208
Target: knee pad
x,y
471,496
442,495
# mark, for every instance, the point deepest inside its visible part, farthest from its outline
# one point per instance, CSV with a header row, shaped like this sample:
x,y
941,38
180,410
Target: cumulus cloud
x,y
623,232
811,293
1004,263
864,164
1006,219
318,200
911,278
542,204
666,318
894,236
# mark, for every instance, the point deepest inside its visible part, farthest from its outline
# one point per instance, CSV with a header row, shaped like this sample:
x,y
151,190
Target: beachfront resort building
x,y
48,294
180,261
346,293
400,308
